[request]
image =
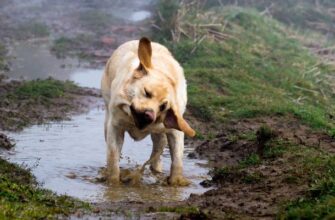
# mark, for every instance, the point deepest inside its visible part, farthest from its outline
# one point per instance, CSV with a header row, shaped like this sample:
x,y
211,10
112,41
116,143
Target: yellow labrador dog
x,y
144,90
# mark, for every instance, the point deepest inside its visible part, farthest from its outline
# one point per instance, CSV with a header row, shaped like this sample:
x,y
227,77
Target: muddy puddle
x,y
68,158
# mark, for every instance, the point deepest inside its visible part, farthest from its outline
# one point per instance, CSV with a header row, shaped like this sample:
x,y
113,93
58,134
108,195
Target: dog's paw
x,y
113,180
178,181
156,168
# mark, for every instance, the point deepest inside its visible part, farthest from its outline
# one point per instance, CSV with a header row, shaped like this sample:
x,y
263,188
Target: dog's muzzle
x,y
142,118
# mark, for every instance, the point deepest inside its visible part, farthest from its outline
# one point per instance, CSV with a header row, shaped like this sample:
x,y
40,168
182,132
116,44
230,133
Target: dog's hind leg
x,y
159,141
176,145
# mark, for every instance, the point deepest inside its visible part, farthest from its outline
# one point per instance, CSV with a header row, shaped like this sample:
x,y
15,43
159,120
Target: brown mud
x,y
257,191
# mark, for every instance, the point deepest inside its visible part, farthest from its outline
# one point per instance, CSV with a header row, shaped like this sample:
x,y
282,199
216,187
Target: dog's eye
x,y
147,94
162,107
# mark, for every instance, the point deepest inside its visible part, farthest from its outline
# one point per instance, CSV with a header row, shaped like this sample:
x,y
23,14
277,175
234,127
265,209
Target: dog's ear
x,y
144,53
173,119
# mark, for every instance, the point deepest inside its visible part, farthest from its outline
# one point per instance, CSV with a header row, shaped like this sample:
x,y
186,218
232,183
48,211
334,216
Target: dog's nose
x,y
142,118
149,115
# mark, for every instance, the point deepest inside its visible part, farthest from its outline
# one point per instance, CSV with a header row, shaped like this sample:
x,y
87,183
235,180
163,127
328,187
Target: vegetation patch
x,y
21,198
252,160
319,200
245,65
44,90
34,102
302,14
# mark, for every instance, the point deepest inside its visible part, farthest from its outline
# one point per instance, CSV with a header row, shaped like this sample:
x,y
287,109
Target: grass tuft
x,y
43,89
21,198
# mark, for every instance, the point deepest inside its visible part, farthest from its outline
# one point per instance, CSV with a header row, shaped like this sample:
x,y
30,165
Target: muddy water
x,y
67,158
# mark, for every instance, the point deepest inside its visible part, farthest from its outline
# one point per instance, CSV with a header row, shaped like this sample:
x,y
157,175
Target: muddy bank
x,y
24,103
259,167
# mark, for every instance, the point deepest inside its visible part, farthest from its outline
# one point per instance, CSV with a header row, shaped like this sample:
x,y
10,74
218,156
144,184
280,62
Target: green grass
x,y
21,198
43,90
252,160
302,14
275,149
319,203
257,71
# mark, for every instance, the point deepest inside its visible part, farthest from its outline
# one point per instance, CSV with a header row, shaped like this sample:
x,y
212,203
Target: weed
x,y
252,160
249,136
253,178
165,19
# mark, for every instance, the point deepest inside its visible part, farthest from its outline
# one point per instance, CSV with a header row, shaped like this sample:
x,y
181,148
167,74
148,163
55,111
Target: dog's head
x,y
152,95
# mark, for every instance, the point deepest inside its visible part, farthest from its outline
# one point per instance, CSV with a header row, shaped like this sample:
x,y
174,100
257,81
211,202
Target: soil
x,y
262,196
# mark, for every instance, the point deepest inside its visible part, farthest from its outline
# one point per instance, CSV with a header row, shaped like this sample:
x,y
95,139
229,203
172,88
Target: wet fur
x,y
134,66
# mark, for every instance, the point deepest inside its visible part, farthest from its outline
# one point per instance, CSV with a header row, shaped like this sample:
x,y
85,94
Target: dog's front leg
x,y
176,145
159,142
115,137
